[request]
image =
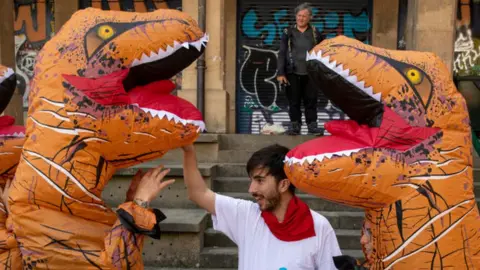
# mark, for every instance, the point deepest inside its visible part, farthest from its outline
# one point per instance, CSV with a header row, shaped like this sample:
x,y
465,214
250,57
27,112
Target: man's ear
x,y
284,185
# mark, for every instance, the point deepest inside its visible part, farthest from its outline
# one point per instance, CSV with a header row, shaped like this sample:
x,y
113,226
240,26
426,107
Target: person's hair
x,y
303,6
271,158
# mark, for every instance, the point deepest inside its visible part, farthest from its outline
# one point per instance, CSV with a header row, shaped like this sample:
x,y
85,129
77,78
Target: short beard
x,y
272,203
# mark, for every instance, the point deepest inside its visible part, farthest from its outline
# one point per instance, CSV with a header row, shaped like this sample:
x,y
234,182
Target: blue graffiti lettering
x,y
331,24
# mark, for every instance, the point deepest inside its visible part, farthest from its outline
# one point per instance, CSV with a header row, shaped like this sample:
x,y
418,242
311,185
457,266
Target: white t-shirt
x,y
259,249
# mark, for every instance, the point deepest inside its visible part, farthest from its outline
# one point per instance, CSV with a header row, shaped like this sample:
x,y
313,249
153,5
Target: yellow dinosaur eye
x,y
414,75
105,32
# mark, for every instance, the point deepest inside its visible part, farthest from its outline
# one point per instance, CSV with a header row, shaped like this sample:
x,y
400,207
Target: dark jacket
x,y
286,63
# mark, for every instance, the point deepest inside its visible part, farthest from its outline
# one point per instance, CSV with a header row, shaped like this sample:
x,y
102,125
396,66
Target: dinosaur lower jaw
x,y
349,137
153,98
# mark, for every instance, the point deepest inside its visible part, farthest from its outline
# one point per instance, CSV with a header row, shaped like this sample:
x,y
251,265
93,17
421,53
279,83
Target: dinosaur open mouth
x,y
373,124
147,84
8,130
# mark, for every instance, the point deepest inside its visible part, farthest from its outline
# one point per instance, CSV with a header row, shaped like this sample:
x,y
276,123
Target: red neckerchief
x,y
297,224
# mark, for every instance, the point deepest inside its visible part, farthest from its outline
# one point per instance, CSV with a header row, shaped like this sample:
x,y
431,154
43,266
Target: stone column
x,y
216,97
431,27
63,11
7,56
385,24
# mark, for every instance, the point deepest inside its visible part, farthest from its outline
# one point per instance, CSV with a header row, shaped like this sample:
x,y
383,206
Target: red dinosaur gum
x,y
405,156
100,100
11,141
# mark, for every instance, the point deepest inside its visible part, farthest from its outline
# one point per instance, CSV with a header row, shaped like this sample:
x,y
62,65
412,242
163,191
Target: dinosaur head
x,y
11,137
105,78
404,113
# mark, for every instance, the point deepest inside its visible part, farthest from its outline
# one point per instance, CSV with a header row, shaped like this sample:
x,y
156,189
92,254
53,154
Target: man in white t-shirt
x,y
279,231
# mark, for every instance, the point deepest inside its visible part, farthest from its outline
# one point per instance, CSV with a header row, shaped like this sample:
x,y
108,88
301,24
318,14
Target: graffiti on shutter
x,y
260,100
33,26
467,57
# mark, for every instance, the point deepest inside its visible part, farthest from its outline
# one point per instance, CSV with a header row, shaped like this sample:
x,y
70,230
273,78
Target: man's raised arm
x,y
198,192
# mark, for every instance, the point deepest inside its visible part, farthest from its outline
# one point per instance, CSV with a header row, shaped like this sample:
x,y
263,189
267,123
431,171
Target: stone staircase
x,y
188,239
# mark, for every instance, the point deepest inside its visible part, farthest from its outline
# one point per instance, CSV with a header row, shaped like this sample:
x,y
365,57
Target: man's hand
x,y
151,184
134,185
282,79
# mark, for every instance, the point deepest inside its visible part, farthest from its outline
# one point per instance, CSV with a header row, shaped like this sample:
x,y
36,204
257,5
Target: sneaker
x,y
294,129
314,130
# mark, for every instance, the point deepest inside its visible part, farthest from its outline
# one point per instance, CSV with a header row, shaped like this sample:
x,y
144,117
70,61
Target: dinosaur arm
x,y
124,242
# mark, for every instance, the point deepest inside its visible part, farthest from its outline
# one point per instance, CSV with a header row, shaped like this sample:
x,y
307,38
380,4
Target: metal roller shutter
x,y
259,27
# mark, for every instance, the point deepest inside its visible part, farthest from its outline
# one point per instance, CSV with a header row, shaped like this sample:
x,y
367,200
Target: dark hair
x,y
272,158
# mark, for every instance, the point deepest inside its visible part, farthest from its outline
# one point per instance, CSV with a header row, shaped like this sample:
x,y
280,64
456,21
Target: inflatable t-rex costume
x,y
11,141
100,100
405,156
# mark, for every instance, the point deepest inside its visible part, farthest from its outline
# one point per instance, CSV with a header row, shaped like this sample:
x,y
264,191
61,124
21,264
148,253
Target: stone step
x,y
314,203
235,156
181,240
232,170
227,257
347,239
206,147
339,220
255,142
174,197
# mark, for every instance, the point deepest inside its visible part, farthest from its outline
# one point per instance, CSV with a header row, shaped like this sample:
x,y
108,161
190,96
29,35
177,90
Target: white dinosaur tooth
x,y
377,96
153,56
144,58
339,68
169,49
326,59
310,159
161,114
308,56
162,54
345,73
352,79
319,54
176,44
332,64
197,45
361,85
369,90
135,62
186,45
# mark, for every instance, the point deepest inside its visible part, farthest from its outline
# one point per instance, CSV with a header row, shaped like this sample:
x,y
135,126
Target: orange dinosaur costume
x,y
11,141
405,156
100,100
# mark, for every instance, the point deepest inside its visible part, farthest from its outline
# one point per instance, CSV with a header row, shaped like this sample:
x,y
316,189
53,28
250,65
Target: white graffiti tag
x,y
257,76
465,52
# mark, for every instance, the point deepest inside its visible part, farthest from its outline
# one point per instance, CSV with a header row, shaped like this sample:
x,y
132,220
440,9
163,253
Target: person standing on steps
x,y
296,41
279,231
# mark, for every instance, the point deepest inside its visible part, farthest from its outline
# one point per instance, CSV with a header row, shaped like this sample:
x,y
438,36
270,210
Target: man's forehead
x,y
259,172
304,12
